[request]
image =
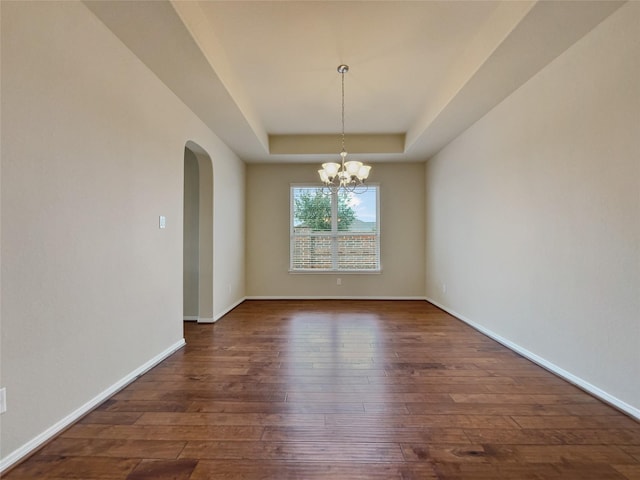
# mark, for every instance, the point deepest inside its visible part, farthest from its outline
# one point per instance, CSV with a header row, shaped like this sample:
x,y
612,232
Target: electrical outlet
x,y
444,288
3,400
339,281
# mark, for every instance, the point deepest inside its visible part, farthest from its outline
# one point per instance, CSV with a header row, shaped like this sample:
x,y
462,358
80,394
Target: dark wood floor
x,y
344,390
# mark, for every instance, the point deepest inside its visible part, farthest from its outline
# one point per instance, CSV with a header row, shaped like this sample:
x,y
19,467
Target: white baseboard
x,y
216,317
190,318
568,376
331,297
29,447
220,315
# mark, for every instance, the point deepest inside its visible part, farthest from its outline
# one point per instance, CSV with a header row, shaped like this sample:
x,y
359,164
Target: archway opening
x,y
197,235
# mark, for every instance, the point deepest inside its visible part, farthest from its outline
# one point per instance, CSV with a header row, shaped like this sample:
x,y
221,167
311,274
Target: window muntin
x,y
334,232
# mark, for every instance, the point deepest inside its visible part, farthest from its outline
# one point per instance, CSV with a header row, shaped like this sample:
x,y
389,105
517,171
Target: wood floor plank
x,y
143,406
535,399
576,421
112,418
513,471
632,450
198,394
516,410
99,447
163,469
526,454
277,407
442,380
165,432
42,466
372,434
307,451
389,408
260,419
630,472
555,436
345,390
247,470
380,396
427,421
567,454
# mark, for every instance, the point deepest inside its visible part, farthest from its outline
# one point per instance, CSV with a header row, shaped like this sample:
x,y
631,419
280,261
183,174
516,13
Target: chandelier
x,y
348,175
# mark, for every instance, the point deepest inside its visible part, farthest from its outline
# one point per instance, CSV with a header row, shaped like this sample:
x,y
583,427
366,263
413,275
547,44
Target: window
x,y
334,232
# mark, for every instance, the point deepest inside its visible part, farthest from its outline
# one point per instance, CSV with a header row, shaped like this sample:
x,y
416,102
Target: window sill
x,y
335,272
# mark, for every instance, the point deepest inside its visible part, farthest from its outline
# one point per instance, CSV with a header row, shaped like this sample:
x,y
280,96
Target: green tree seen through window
x,y
313,210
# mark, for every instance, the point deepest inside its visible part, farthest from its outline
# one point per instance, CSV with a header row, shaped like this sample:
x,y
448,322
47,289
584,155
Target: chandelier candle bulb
x,y
353,167
363,172
331,169
323,176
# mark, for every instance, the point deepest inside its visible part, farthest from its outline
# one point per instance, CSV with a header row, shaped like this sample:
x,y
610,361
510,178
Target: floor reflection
x,y
334,363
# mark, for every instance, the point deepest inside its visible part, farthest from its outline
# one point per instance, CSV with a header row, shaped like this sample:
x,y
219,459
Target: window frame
x,y
334,234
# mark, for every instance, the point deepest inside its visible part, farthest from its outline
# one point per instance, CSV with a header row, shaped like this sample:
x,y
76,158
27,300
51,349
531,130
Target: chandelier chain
x,y
342,73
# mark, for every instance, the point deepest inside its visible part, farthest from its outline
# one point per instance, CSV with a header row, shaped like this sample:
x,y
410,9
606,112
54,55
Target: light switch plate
x,y
3,400
162,221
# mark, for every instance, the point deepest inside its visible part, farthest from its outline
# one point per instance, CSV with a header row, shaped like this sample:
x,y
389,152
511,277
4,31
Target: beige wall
x,y
191,244
401,244
533,214
205,236
92,153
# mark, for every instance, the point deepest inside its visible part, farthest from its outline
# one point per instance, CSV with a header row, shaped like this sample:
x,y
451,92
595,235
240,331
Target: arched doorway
x,y
197,235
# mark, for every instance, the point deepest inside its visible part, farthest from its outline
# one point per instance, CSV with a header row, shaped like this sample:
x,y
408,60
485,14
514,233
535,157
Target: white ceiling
x,y
263,74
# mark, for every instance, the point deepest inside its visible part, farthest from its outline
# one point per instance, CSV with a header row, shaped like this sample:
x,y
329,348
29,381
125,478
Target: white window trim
x,y
333,233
